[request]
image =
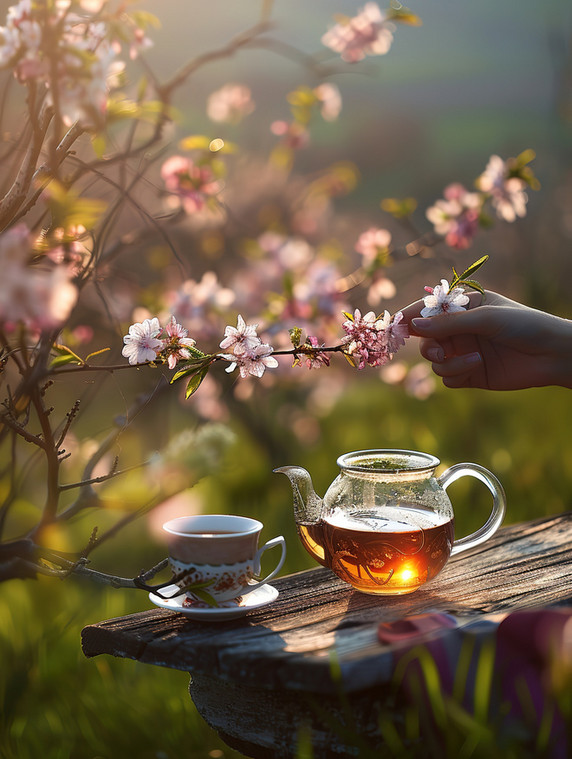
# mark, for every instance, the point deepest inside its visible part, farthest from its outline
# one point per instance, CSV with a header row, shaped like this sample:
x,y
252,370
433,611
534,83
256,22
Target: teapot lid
x,y
387,460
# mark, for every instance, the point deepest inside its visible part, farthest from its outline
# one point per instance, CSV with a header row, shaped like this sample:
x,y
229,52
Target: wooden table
x,y
258,679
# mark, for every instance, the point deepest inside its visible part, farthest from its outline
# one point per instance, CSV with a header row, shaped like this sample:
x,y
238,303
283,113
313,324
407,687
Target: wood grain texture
x,y
316,616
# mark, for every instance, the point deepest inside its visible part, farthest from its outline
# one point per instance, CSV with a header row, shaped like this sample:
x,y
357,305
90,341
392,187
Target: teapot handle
x,y
499,502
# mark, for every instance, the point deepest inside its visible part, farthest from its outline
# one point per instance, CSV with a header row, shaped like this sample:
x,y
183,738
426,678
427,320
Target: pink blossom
x,y
39,296
242,338
374,339
318,288
294,135
295,254
397,333
420,381
86,68
82,334
9,45
92,6
254,362
330,100
382,288
142,343
70,253
175,346
189,183
139,42
373,242
507,193
368,33
456,217
316,358
230,103
197,305
443,300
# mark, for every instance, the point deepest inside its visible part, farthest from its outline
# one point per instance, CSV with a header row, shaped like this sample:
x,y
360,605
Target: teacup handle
x,y
279,541
499,502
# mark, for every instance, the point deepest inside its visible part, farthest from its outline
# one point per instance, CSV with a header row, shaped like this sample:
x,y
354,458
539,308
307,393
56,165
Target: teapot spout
x,y
307,504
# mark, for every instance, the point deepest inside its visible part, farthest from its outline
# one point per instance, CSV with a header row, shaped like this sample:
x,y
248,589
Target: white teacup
x,y
215,557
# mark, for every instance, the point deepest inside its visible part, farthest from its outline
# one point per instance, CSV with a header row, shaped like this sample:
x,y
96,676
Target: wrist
x,y
560,370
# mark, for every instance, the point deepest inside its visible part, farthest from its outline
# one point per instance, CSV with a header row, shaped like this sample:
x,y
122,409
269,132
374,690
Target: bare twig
x,y
17,194
114,472
45,173
242,40
29,437
71,415
81,368
87,497
125,195
52,460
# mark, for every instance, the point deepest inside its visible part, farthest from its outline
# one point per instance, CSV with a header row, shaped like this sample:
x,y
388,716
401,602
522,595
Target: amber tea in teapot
x,y
389,550
386,524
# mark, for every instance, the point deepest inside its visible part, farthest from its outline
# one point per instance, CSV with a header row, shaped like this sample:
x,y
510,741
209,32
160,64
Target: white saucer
x,y
258,598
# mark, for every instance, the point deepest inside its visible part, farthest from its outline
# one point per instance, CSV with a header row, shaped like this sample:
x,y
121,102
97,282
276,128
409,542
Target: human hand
x,y
498,345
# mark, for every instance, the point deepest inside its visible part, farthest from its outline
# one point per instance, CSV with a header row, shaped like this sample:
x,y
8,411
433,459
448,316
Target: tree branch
x,y
17,194
46,172
103,478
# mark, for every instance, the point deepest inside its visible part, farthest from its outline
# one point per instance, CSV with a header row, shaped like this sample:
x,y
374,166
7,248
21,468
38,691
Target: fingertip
x,y
435,354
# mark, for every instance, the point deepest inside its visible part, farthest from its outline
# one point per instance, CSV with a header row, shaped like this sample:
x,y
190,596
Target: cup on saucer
x,y
216,558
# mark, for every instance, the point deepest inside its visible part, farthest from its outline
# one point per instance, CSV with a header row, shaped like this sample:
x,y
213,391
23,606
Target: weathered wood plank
x,y
288,644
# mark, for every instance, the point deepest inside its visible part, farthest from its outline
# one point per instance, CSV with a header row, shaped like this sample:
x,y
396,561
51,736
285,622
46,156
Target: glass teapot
x,y
386,524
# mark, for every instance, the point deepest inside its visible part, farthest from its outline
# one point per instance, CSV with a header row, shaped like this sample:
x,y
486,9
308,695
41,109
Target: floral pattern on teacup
x,y
216,578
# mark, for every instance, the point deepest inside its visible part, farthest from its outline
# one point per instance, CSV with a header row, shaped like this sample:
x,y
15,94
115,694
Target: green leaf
x,y
121,107
195,381
99,145
303,96
525,157
455,279
473,268
70,210
295,336
205,596
350,359
65,356
191,367
62,361
473,284
195,142
198,589
144,19
97,353
195,352
404,16
400,208
199,361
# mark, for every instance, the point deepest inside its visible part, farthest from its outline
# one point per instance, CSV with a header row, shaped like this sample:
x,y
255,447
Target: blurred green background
x,y
476,79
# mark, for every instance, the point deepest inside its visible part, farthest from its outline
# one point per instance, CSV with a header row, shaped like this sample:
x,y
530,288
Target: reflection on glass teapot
x,y
386,524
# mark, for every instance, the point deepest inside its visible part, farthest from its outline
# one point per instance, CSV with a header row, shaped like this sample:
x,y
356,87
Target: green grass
x,y
57,704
